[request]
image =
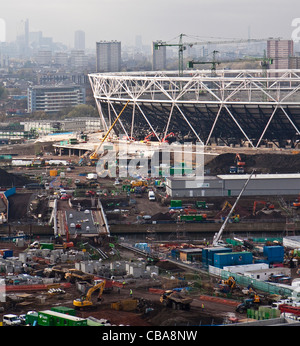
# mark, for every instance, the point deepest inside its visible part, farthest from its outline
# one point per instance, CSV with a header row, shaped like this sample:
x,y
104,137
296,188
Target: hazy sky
x,y
152,19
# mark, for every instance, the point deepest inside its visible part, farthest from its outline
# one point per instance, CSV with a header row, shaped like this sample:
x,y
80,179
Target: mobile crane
x,y
95,155
218,235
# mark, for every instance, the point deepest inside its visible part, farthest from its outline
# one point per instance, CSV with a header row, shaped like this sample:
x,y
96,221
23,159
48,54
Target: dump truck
x,y
73,275
175,300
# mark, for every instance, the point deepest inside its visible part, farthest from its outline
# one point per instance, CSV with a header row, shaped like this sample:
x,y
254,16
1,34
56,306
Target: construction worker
x,y
124,283
130,293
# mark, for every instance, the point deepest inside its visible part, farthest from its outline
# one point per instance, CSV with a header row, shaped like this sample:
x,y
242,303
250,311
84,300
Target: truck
x,y
73,275
11,320
151,195
92,176
175,300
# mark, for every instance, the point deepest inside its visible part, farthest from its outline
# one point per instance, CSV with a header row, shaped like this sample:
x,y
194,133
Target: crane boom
x,y
95,153
182,46
219,234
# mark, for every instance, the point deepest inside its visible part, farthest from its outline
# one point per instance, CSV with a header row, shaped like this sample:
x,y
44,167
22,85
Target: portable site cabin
x,y
53,318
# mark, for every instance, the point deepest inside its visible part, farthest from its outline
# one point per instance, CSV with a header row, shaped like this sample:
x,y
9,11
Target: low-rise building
x,y
232,184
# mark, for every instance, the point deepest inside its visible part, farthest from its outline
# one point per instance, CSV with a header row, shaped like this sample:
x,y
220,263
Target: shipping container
x,y
49,246
176,203
64,310
274,254
235,258
6,253
53,318
208,254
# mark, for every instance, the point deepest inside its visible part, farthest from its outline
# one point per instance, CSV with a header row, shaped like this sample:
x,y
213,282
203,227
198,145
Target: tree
x,y
82,111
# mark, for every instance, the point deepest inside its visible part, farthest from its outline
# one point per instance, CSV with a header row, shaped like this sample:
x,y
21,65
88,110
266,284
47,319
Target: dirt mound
x,y
161,217
10,180
263,163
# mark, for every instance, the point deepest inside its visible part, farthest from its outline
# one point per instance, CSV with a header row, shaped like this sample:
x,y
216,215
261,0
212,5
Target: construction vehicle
x,y
296,204
151,137
238,165
86,300
230,282
217,237
249,303
95,155
165,140
56,271
175,300
73,275
268,205
138,183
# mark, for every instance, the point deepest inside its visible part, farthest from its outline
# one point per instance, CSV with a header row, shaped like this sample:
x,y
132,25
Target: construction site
x,y
107,253
117,227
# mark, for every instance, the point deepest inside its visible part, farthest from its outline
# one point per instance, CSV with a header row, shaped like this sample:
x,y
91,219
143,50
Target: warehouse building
x,y
232,184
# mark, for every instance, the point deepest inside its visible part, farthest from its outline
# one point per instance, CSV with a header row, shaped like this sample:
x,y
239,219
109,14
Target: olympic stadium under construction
x,y
244,107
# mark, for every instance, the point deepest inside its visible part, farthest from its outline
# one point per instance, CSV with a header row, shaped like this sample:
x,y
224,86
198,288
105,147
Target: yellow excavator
x,y
86,300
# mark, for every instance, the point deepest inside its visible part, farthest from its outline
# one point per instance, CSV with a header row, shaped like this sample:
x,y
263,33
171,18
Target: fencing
x,y
245,281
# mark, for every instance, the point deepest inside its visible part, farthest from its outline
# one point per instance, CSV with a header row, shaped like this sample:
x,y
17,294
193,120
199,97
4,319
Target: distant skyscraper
x,y
159,57
78,59
280,51
79,41
138,43
108,56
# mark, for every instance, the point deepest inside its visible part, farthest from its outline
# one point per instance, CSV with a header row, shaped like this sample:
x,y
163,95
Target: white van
x,y
11,320
151,196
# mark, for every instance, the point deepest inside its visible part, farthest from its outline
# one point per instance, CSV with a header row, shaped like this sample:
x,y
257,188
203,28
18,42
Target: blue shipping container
x,y
208,254
235,258
274,253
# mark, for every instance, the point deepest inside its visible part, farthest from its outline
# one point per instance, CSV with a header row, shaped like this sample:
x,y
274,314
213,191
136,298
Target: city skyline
x,y
163,20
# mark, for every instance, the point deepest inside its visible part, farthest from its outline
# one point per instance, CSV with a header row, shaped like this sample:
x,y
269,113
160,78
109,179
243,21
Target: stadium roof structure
x,y
231,106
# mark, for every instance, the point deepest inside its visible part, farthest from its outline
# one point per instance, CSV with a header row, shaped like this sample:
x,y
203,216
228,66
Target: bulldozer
x,y
86,300
175,300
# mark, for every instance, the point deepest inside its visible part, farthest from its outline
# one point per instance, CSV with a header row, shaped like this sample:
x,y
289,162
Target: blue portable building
x,y
234,258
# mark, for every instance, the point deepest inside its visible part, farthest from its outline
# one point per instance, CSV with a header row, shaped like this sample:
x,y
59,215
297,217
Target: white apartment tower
x,y
159,57
79,40
280,51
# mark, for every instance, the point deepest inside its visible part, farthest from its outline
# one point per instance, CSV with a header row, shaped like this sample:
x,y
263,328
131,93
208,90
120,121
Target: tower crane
x,y
264,61
182,47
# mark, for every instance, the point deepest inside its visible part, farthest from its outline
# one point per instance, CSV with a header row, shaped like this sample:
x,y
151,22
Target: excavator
x,y
86,300
165,140
296,204
269,205
238,165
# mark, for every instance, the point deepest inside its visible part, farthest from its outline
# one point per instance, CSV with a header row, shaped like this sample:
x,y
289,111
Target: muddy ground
x,y
150,313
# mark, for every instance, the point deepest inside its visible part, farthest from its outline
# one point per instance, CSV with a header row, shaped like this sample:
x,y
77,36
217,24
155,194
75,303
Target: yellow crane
x,y
86,300
95,154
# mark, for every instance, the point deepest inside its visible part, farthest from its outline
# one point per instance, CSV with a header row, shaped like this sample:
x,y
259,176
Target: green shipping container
x,y
49,246
176,203
31,318
64,310
53,318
